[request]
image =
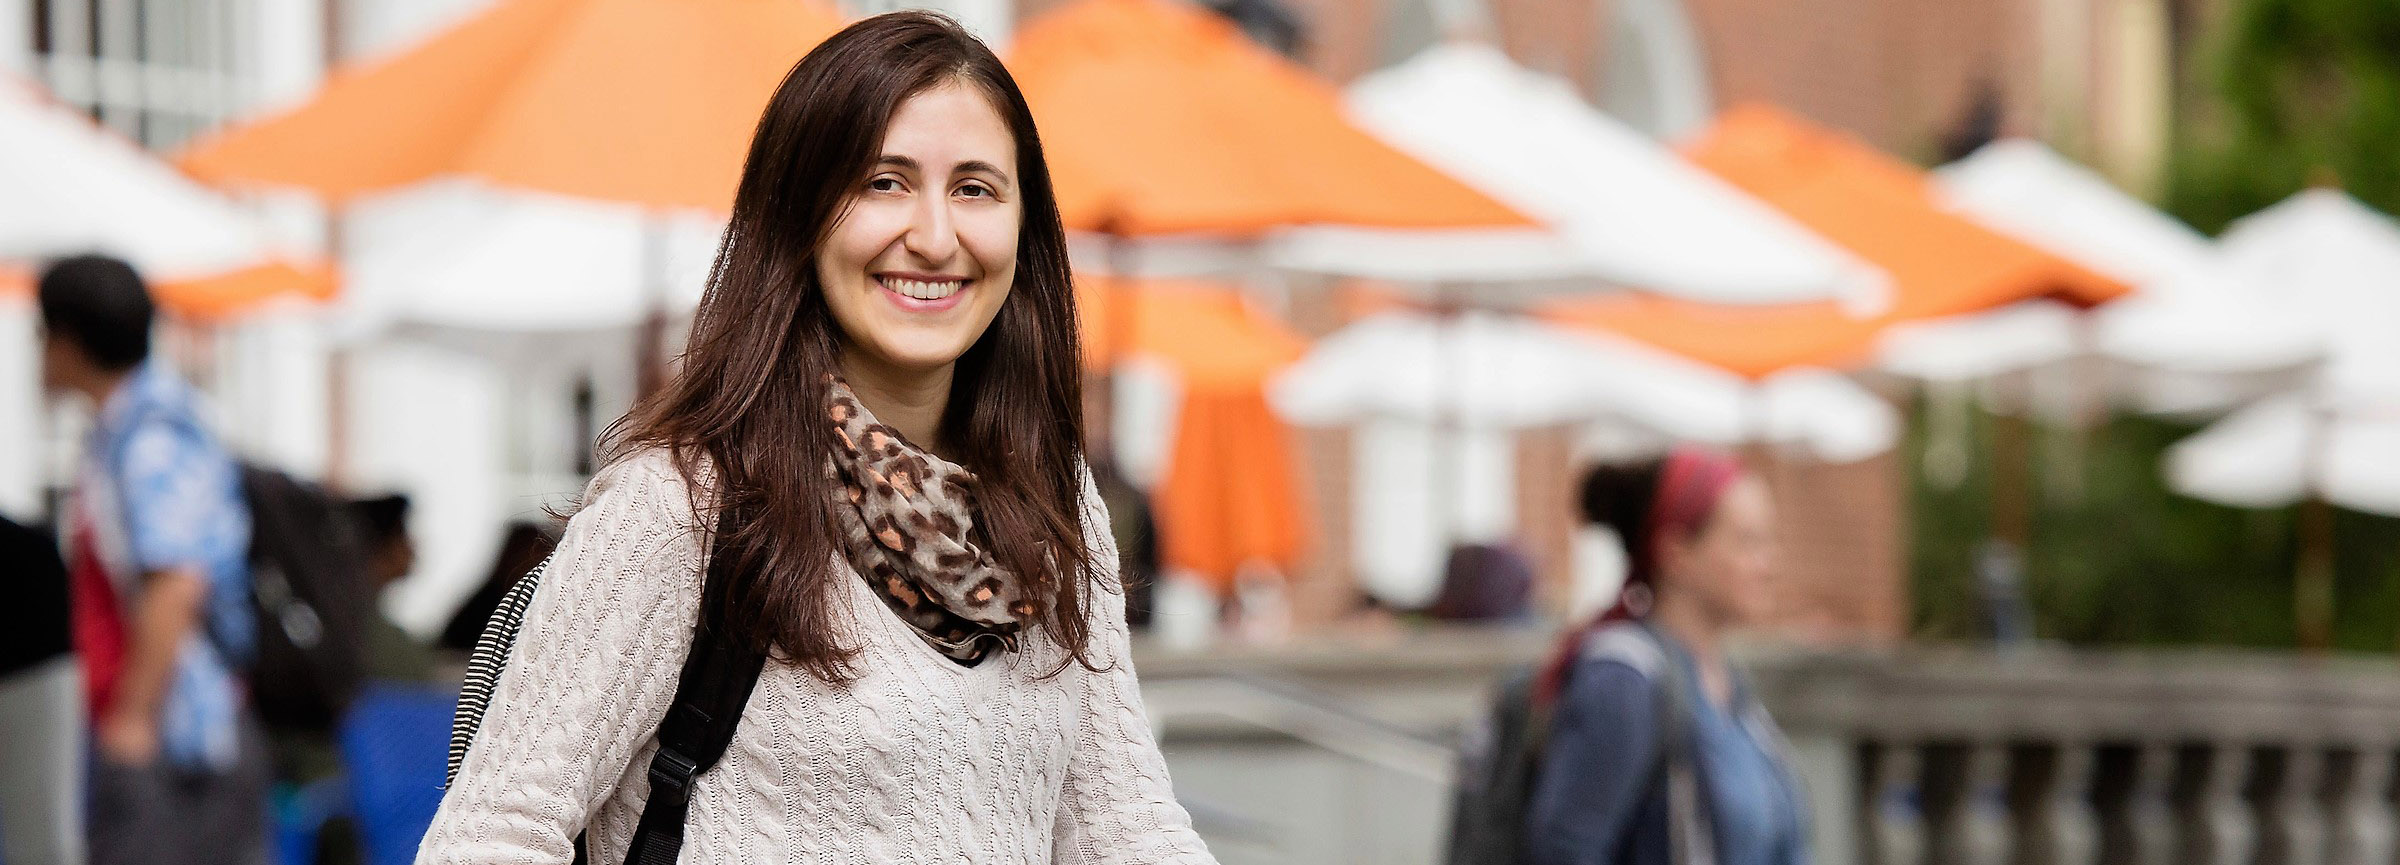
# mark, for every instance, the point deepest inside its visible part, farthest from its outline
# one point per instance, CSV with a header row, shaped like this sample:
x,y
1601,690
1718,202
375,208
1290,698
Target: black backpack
x,y
1502,757
717,679
308,589
1497,766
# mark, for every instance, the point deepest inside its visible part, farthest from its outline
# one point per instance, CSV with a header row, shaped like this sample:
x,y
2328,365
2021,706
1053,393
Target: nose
x,y
931,234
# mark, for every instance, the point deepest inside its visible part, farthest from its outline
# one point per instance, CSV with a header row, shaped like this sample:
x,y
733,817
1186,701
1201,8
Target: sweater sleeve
x,y
590,677
1594,769
1116,806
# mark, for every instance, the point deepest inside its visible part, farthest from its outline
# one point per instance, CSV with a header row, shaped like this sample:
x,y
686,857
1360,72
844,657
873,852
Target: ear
x,y
1673,551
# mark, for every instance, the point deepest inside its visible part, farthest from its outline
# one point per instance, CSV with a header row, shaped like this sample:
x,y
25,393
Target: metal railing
x,y
1309,717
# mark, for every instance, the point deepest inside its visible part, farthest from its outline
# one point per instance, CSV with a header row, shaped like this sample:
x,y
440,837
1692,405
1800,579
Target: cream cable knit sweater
x,y
919,761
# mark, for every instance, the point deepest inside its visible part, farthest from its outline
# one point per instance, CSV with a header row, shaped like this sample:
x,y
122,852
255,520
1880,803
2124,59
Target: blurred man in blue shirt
x,y
157,546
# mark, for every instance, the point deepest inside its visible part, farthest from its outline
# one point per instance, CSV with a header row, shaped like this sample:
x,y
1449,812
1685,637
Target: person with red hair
x,y
1658,752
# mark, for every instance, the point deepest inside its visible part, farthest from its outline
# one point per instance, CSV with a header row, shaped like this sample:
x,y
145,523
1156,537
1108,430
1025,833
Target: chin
x,y
930,352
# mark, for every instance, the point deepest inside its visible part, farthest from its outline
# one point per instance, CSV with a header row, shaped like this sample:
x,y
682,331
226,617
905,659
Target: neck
x,y
98,385
909,401
1684,619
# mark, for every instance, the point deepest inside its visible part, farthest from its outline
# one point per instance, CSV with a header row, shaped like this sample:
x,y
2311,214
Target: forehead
x,y
948,124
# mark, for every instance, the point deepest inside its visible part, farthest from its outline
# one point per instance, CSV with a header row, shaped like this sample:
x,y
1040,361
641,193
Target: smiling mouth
x,y
922,289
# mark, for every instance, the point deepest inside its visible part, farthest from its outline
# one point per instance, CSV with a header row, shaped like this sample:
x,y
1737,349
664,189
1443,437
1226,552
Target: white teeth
x,y
923,290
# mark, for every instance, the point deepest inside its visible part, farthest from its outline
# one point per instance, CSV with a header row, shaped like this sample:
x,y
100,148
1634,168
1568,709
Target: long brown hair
x,y
751,397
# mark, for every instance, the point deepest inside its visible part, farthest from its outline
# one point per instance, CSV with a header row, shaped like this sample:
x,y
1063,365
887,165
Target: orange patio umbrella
x,y
216,298
1159,117
212,298
1750,341
647,102
1229,495
1876,206
1884,210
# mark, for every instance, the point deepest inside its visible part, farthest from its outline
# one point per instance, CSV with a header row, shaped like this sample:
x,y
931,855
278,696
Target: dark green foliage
x,y
2294,92
2124,561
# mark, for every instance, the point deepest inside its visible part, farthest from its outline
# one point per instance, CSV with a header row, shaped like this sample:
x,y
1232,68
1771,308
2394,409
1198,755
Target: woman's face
x,y
1730,564
924,255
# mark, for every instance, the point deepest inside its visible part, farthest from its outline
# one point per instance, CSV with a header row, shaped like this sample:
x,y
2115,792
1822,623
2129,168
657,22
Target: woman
x,y
1658,753
882,381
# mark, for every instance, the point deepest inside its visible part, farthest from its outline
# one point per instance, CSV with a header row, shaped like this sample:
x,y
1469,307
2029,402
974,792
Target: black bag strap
x,y
717,679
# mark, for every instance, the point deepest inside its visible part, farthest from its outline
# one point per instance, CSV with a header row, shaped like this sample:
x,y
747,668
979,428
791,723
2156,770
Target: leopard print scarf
x,y
908,521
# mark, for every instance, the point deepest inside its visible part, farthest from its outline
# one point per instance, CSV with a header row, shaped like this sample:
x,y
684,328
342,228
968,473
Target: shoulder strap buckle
x,y
671,772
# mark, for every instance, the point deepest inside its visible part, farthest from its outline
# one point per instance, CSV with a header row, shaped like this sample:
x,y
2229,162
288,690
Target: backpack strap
x,y
717,679
1691,838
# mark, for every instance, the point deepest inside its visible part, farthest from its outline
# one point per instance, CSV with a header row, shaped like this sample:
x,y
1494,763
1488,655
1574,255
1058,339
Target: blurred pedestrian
x,y
867,479
1658,751
1485,583
522,547
1135,531
158,537
41,706
392,653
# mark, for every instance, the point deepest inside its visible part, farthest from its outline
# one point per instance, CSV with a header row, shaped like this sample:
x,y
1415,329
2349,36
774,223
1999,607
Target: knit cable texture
x,y
918,761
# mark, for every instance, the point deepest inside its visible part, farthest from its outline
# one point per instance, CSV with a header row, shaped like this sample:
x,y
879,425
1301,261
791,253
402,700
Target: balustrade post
x,y
1966,817
2051,801
2217,828
2150,813
2292,822
2359,808
1891,827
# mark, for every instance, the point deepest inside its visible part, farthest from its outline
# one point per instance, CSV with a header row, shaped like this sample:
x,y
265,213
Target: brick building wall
x,y
1897,72
1844,573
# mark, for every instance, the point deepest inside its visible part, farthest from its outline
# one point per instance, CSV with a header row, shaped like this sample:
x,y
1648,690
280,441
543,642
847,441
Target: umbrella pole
x,y
2312,578
650,372
337,373
1117,335
2012,500
2000,566
1448,487
2312,567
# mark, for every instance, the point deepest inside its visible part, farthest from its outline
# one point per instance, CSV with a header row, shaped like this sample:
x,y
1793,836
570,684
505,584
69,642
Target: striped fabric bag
x,y
484,665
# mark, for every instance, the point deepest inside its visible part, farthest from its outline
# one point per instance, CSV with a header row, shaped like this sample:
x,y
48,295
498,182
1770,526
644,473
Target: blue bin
x,y
396,744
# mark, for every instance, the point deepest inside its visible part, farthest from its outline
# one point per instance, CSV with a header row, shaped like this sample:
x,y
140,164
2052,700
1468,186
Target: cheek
x,y
856,241
993,242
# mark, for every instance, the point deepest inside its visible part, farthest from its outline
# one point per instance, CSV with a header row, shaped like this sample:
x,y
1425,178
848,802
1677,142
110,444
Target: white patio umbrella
x,y
1403,379
1477,368
1493,371
1818,411
67,185
1628,211
2194,338
2287,450
2026,190
2336,263
462,260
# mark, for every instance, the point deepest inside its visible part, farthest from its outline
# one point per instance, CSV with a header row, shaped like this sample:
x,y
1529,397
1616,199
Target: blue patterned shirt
x,y
163,493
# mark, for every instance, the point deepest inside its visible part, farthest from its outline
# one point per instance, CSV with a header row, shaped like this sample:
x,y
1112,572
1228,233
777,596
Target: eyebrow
x,y
971,165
